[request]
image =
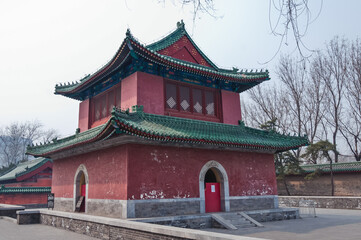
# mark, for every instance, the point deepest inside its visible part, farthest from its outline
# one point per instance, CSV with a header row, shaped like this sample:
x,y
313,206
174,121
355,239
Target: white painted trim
x,y
83,169
224,185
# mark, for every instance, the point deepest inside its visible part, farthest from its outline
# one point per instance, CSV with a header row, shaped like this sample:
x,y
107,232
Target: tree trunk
x,y
332,183
286,186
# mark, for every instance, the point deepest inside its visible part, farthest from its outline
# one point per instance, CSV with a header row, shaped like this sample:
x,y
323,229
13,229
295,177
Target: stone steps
x,y
235,220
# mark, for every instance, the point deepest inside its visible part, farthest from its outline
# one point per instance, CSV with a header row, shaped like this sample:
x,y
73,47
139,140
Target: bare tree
x,y
268,104
351,124
293,17
15,137
314,106
332,69
293,75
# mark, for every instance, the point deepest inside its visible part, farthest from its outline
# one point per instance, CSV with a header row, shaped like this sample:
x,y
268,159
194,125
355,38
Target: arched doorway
x,y
81,189
213,188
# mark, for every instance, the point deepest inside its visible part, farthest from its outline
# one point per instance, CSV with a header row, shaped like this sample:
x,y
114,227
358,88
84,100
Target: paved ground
x,y
330,224
11,231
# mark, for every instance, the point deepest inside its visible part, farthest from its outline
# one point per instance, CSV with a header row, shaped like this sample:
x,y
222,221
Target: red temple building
x,y
27,184
160,133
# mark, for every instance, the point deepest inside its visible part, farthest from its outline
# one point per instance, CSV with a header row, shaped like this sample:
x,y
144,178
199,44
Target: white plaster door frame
x,y
224,185
81,169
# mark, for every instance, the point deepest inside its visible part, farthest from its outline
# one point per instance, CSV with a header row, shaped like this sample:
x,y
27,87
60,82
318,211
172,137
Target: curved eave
x,y
121,55
130,130
105,130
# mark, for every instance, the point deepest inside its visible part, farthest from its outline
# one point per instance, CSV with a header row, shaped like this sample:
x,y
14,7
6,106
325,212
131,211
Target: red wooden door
x,y
82,190
82,193
213,197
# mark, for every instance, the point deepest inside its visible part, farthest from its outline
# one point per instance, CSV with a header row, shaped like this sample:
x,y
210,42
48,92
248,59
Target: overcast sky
x,y
47,42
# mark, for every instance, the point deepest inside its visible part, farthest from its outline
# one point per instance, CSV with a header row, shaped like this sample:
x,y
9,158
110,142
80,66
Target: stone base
x,y
162,207
247,203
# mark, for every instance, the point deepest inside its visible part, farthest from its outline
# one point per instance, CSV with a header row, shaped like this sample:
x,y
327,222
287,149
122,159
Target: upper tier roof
x,y
131,51
23,168
158,128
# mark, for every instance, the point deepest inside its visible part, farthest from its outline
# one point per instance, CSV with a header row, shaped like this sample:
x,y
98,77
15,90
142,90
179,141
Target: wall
x,y
24,198
129,91
321,202
84,114
346,184
157,172
107,173
231,107
150,93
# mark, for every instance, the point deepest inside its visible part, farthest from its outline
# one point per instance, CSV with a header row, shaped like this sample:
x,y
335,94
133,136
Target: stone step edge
x,y
223,222
250,219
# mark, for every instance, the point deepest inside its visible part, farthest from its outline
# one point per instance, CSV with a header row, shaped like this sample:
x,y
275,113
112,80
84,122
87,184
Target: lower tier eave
x,y
126,139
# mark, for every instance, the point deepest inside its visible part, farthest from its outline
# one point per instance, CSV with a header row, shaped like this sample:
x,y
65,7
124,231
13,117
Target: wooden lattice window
x,y
191,100
102,105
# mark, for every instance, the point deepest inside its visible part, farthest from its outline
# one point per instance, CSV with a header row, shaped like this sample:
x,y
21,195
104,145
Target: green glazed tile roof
x,y
4,189
336,167
177,130
132,48
24,168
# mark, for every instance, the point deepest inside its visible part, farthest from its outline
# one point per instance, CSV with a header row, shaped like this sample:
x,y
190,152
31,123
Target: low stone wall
x,y
274,214
109,228
322,201
192,221
28,217
10,210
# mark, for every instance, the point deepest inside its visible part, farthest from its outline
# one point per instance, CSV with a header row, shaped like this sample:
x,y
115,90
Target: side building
x,y
27,184
160,133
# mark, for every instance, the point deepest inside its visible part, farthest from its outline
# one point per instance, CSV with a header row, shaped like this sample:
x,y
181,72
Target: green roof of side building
x,y
9,190
23,168
160,128
336,167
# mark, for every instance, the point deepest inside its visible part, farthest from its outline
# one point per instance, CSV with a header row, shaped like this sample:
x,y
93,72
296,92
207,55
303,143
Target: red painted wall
x,y
171,172
107,171
231,107
129,91
41,182
183,49
24,198
150,93
84,114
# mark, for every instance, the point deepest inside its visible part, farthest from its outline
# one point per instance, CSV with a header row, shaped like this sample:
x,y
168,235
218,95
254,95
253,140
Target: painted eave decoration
x,y
24,168
133,56
175,130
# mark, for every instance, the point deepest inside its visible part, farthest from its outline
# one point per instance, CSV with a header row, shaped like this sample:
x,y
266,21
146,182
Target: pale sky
x,y
43,43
